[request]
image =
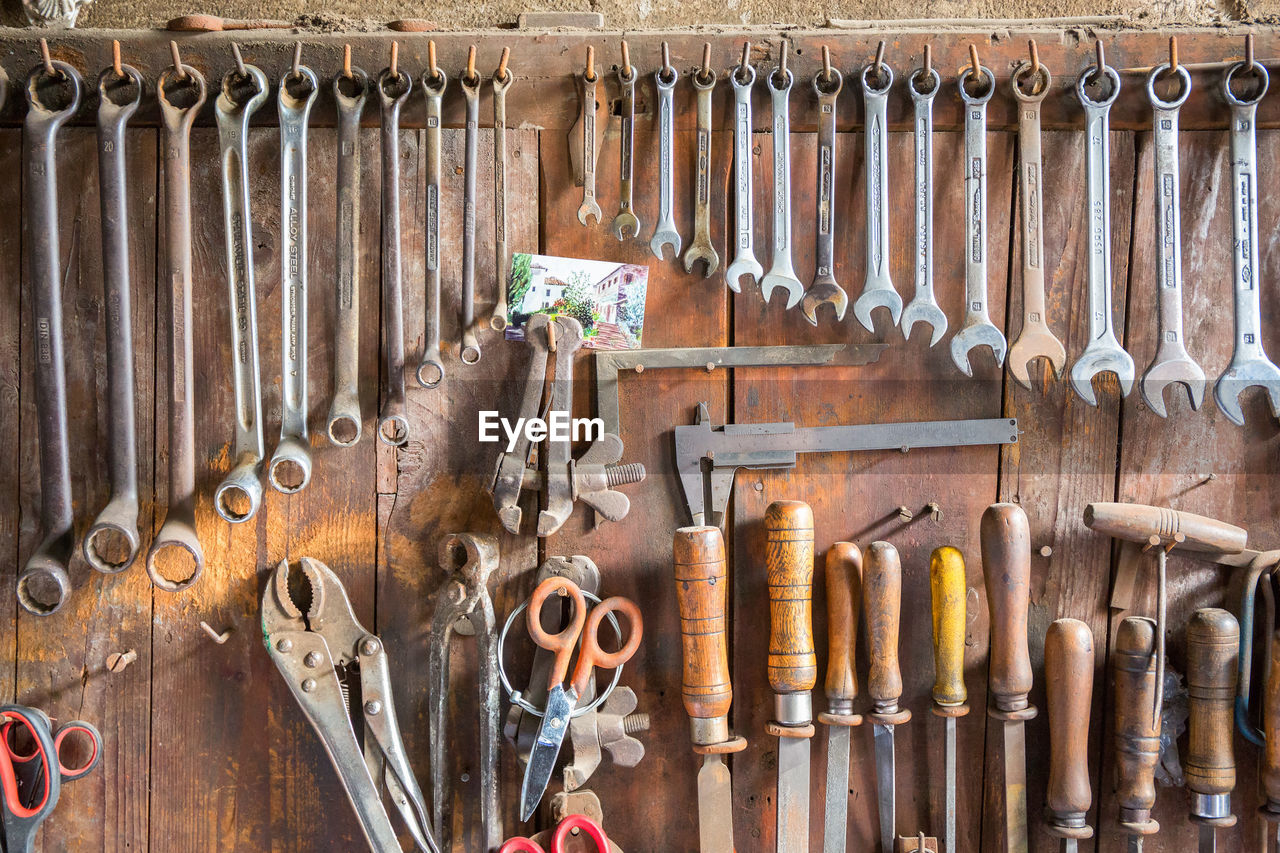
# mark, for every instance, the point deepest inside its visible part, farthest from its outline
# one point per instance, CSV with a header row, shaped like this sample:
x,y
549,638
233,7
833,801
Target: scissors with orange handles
x,y
562,699
33,767
567,826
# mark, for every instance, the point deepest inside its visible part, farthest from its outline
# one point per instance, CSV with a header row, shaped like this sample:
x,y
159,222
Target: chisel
x,y
1213,647
1271,750
1006,565
792,666
881,601
1068,677
702,592
844,600
949,591
1137,734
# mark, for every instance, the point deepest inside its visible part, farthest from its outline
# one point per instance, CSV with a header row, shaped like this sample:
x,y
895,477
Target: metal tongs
x,y
333,665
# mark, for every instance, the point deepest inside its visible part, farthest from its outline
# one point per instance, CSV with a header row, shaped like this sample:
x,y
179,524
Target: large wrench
x,y
1249,366
744,258
923,307
665,233
877,289
502,261
977,330
1036,340
290,468
781,270
626,220
431,369
589,207
469,349
561,489
824,290
112,543
239,495
179,528
393,424
1103,352
701,248
43,585
1171,364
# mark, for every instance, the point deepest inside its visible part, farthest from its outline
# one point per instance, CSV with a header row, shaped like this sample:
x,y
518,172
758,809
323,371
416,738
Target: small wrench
x,y
117,524
393,424
469,350
1036,340
1249,366
626,221
744,259
877,289
824,290
43,585
701,248
923,307
431,369
290,468
1172,364
665,234
502,261
1103,352
781,270
977,330
590,103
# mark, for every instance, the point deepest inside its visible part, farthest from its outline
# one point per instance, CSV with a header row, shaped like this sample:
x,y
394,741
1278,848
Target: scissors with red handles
x,y
33,768
568,825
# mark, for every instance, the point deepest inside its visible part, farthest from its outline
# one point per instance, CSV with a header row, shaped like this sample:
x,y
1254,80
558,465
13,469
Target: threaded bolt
x,y
634,723
621,475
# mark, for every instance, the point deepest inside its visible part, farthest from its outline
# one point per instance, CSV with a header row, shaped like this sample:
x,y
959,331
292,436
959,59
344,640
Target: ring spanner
x,y
469,348
431,369
393,425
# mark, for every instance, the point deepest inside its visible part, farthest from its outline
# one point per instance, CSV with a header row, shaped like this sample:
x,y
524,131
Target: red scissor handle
x,y
38,730
79,731
584,823
521,845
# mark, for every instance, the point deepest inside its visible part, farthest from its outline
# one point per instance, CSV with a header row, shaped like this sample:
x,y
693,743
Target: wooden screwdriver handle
x,y
1271,729
1213,649
948,586
702,593
1006,567
1068,677
793,666
844,602
1137,735
882,603
1138,523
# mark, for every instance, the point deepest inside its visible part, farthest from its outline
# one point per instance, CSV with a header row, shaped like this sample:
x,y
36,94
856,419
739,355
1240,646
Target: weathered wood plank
x,y
11,375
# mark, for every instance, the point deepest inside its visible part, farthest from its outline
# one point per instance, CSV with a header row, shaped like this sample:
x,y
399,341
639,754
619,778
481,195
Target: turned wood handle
x,y
948,585
1138,523
844,601
793,666
1271,728
882,603
1006,567
1213,649
1068,676
702,592
1137,734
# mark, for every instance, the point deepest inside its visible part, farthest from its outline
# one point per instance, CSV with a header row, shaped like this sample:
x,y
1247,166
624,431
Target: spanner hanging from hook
x,y
350,91
393,91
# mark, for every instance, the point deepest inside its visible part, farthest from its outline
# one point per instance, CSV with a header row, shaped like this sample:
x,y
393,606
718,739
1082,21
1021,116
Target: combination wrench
x,y
626,223
701,248
431,369
877,289
1103,353
590,103
1172,364
744,262
112,543
502,261
290,467
469,349
1249,365
923,307
1036,340
240,494
178,531
824,290
977,330
393,424
781,269
665,233
52,98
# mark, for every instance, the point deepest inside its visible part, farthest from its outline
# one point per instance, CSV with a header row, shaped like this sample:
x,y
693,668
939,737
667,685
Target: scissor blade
x,y
886,782
715,806
546,747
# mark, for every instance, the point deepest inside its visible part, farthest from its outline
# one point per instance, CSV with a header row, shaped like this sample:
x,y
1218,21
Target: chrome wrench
x,y
824,290
1172,364
877,289
469,349
393,424
923,307
701,248
744,258
665,234
590,103
781,270
502,260
1103,352
431,369
626,220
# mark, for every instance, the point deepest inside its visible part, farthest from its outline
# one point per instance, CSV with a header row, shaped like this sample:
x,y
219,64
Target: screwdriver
x,y
1137,735
1213,647
1068,675
948,587
1271,749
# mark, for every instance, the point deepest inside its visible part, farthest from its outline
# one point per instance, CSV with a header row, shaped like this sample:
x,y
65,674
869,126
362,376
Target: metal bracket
x,y
610,727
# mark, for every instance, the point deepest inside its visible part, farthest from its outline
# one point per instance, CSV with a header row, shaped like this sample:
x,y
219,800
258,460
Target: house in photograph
x,y
607,298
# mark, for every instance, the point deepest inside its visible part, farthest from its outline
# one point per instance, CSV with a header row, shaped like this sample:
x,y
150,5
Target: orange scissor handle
x,y
563,643
581,821
591,654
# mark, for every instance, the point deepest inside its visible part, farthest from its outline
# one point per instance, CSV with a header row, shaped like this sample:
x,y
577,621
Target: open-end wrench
x,y
626,223
923,307
744,262
701,248
502,261
178,110
1172,364
350,91
824,290
290,467
665,233
239,495
393,424
431,369
1103,353
977,330
1249,366
1036,340
877,288
590,103
52,98
781,270
112,543
469,348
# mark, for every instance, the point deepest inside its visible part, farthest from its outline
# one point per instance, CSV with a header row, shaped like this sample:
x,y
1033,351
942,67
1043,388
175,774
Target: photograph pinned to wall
x,y
607,298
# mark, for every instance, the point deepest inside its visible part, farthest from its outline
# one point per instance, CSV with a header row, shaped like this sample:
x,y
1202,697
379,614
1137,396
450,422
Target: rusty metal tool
x,y
112,542
510,471
881,601
214,24
877,289
239,495
465,608
1137,728
609,728
345,423
844,601
1068,676
469,346
950,698
1270,811
339,675
824,290
1036,340
702,591
502,80
1006,568
792,664
431,370
1213,645
393,422
665,232
626,223
590,105
52,99
923,307
781,267
744,261
1250,367
701,249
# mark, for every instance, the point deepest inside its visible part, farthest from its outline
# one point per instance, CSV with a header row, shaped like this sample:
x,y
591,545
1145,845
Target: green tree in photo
x,y
521,278
578,302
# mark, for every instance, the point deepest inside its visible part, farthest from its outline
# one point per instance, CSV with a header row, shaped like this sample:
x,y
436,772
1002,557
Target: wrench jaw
x,y
744,264
239,496
290,467
44,585
113,542
877,295
1033,343
824,291
702,252
786,279
589,209
977,334
626,226
1258,373
921,311
665,237
1101,357
1163,372
178,531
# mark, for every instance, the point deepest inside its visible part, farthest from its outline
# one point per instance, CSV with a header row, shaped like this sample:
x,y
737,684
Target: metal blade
x,y
950,760
1208,839
836,818
793,794
1135,844
715,806
542,758
1015,787
1070,845
886,780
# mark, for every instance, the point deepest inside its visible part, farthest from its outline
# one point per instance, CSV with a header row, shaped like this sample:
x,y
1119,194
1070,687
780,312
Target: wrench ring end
x,y
430,373
239,496
394,430
44,586
175,533
344,429
1233,72
99,554
290,468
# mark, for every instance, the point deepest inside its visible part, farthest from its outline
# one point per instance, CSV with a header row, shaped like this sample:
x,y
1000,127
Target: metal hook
x,y
975,67
928,61
394,67
590,76
1100,62
1173,57
177,59
782,59
470,77
1035,57
346,61
297,61
826,64
116,65
431,60
240,69
666,60
1248,51
501,74
704,73
48,60
879,63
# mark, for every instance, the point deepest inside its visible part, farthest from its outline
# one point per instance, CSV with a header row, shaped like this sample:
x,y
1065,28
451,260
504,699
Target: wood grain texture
x,y
844,601
702,591
793,666
1068,665
1213,652
13,375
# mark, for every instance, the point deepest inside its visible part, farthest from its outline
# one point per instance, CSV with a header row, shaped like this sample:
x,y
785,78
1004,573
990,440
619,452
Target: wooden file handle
x,y
1213,649
793,666
702,592
882,603
1137,734
1068,677
1271,728
844,601
1138,523
1006,567
948,585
